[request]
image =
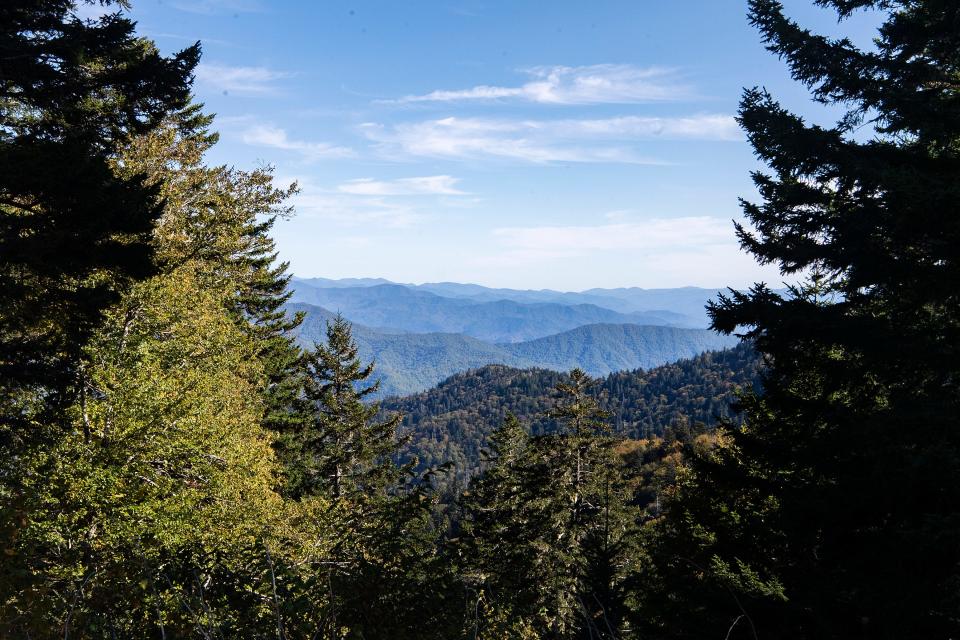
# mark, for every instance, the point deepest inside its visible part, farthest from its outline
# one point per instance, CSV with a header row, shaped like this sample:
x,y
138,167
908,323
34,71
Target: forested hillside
x,y
599,349
453,421
411,362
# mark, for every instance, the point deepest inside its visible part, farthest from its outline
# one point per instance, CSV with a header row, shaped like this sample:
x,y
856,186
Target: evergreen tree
x,y
72,232
382,576
155,511
344,451
162,482
494,544
545,527
833,513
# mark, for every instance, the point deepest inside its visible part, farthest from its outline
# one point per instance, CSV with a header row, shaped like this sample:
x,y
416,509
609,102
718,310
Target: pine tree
x,y
344,450
72,232
383,576
493,543
833,513
545,527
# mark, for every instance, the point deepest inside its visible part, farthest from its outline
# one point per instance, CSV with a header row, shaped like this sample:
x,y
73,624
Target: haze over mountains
x,y
683,306
421,334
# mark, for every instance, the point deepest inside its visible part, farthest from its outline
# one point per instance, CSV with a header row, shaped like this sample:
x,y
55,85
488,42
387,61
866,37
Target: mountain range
x,y
410,362
399,308
419,334
683,306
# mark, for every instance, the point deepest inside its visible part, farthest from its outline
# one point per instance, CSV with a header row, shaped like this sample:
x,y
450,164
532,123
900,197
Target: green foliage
x,y
73,233
222,217
167,443
453,421
832,513
343,450
546,530
383,576
151,508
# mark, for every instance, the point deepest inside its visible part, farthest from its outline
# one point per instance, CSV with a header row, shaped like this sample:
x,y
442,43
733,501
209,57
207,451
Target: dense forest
x,y
176,466
453,421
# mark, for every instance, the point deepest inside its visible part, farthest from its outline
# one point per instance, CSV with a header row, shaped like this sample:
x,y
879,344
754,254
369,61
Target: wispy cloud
x,y
276,138
348,211
250,81
699,250
475,138
666,241
425,185
698,127
689,231
593,84
545,141
353,210
211,7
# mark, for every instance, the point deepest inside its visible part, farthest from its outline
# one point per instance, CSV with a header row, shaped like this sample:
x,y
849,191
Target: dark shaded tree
x,y
546,528
72,232
344,450
833,513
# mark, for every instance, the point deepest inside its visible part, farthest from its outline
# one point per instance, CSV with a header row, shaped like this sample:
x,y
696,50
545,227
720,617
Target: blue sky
x,y
526,144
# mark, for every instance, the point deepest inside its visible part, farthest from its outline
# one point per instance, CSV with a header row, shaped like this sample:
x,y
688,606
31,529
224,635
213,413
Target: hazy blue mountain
x,y
689,301
327,283
600,349
682,306
411,362
408,309
479,293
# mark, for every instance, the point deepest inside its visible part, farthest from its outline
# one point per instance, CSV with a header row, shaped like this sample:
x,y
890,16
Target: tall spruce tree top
x,y
344,449
71,230
835,512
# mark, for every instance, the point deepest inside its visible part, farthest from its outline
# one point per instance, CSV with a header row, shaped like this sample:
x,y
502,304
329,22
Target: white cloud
x,y
353,212
656,252
545,141
468,138
348,210
593,84
250,81
698,127
276,138
425,185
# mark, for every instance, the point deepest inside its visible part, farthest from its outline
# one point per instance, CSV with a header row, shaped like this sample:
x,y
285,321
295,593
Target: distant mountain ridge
x,y
398,307
686,302
410,362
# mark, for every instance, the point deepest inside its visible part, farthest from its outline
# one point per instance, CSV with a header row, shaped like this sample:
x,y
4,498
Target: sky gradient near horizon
x,y
566,145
